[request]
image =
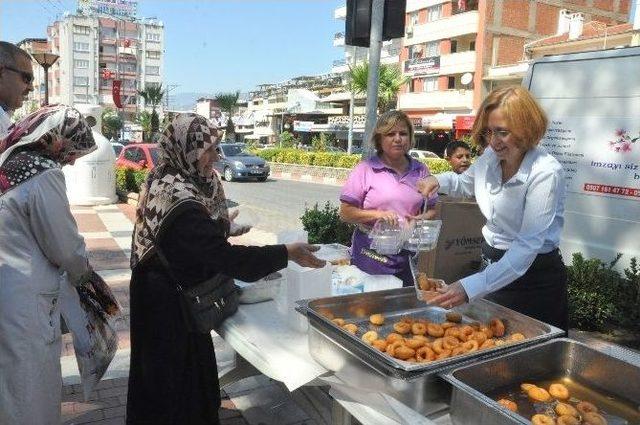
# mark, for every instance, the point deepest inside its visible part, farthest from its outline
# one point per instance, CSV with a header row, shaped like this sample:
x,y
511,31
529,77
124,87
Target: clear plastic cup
x,y
423,235
387,238
426,287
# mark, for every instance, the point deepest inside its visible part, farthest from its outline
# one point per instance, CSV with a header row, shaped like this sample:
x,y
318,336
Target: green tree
x,y
111,123
153,95
144,119
228,102
390,81
287,140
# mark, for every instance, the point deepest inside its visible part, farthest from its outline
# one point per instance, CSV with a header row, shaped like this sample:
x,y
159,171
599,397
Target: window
x,y
413,18
153,70
81,29
81,81
415,51
153,36
454,46
153,54
432,49
412,85
133,154
451,82
434,13
80,47
472,46
127,67
80,98
429,84
80,63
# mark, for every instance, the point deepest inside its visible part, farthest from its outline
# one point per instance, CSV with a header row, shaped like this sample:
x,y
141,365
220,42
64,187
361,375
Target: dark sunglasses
x,y
27,77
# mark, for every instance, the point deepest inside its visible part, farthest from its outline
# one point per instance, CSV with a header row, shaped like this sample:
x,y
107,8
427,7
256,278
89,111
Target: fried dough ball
x,y
391,348
465,332
402,328
454,332
393,337
437,345
369,337
559,391
418,328
487,331
425,354
470,346
487,344
450,342
338,321
497,327
435,330
478,336
377,319
403,352
458,351
517,337
447,325
539,394
415,343
351,328
500,342
568,420
541,419
585,407
443,355
421,338
526,387
411,360
509,404
593,418
423,281
564,409
453,316
380,344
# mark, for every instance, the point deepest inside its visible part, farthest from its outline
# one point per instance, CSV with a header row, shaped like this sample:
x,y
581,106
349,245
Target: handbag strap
x,y
165,263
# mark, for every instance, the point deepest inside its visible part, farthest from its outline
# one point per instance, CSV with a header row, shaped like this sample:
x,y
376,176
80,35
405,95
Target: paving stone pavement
x,y
107,232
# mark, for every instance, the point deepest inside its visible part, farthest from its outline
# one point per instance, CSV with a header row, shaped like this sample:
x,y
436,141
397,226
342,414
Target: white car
x,y
418,154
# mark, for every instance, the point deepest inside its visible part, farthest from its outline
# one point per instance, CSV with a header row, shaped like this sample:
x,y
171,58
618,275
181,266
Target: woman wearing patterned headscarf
x,y
182,210
40,241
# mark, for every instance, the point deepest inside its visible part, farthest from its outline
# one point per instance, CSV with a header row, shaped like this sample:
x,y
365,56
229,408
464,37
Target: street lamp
x,y
45,60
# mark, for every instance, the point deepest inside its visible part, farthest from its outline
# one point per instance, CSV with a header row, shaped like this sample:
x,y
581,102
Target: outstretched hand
x,y
302,254
450,296
428,187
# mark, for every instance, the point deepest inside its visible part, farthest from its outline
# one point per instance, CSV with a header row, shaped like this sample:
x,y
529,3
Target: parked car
x,y
139,156
418,154
117,147
236,163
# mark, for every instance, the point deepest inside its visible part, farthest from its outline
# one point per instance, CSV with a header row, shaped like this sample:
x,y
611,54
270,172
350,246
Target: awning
x,y
341,97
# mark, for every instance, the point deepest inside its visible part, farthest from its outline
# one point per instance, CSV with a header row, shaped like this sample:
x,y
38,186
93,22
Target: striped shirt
x,y
524,216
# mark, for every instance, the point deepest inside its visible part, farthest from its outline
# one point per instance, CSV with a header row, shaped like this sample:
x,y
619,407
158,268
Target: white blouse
x,y
524,216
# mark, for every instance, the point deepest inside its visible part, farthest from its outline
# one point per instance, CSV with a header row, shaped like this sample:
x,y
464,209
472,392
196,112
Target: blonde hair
x,y
525,119
385,123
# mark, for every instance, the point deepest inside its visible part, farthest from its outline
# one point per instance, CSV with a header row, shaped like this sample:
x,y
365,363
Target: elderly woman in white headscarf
x,y
182,212
40,242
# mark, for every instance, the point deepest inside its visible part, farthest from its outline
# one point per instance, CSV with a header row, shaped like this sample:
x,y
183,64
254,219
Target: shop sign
x,y
465,122
118,8
304,126
422,66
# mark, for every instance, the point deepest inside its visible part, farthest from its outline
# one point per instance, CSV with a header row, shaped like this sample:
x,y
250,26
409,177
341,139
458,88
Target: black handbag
x,y
207,304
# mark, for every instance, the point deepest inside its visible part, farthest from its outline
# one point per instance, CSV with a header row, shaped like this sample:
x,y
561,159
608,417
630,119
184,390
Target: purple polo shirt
x,y
374,186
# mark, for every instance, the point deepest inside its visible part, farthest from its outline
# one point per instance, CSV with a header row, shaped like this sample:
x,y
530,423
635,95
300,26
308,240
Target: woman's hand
x,y
389,216
428,187
450,296
302,253
236,229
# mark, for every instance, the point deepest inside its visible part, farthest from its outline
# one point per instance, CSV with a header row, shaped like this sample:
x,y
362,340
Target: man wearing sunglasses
x,y
16,78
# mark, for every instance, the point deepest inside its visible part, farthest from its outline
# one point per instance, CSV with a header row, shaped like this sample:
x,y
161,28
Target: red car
x,y
138,156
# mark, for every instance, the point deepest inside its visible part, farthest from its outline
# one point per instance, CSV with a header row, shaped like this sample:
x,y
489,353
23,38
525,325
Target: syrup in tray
x,y
615,410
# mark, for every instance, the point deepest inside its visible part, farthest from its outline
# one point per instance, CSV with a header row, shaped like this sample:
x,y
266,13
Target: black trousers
x,y
540,293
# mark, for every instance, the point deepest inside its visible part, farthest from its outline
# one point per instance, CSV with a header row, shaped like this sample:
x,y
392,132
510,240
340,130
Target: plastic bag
x,y
90,311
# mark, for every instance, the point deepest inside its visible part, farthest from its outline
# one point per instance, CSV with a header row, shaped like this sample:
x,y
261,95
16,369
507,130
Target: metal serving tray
x,y
416,385
618,377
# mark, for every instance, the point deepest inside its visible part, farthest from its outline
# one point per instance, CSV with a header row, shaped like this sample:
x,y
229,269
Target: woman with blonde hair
x,y
383,187
521,190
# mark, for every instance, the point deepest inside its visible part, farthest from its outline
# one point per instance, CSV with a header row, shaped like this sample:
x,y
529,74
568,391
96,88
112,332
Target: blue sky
x,y
216,45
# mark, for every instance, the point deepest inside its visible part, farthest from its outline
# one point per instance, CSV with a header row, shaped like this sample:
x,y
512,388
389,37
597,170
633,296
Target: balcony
x,y
339,66
437,100
340,13
449,27
458,63
338,39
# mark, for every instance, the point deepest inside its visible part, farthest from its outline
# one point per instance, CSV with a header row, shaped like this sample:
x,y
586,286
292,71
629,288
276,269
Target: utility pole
x,y
354,51
169,89
375,46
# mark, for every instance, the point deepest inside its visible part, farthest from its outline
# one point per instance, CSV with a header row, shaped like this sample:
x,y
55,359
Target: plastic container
x,y
388,238
423,235
262,290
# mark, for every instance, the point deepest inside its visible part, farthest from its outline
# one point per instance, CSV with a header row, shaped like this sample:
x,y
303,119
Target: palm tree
x,y
153,95
144,119
390,81
111,124
228,102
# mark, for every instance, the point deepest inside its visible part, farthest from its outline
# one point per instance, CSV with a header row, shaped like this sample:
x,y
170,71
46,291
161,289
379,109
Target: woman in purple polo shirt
x,y
384,187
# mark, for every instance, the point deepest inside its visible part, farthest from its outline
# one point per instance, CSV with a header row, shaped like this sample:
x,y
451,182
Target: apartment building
x,y
96,50
455,52
36,97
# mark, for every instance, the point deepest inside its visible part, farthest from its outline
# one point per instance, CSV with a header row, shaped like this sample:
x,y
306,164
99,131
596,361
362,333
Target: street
x,y
277,205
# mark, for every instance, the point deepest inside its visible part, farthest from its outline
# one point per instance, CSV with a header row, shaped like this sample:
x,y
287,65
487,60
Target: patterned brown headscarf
x,y
48,138
176,181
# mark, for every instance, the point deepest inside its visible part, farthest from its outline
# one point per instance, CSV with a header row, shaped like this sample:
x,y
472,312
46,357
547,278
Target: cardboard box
x,y
458,251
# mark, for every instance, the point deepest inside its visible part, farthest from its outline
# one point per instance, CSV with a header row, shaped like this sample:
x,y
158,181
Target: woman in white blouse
x,y
521,191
